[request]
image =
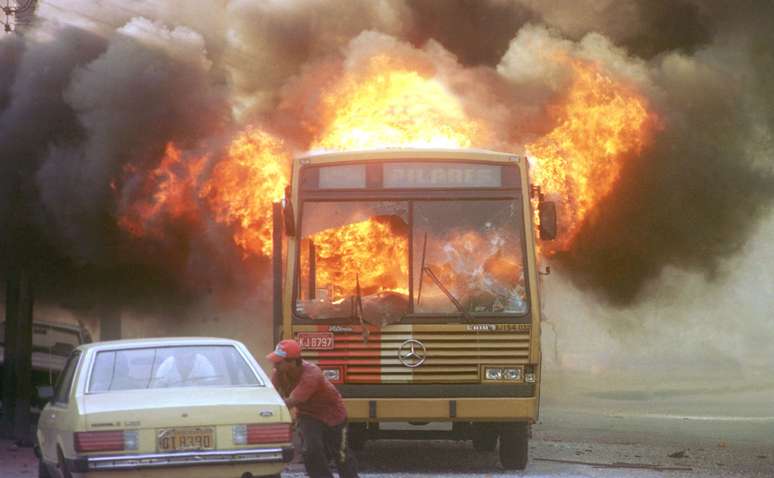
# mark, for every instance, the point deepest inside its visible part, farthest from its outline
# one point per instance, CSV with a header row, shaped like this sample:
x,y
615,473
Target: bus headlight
x,y
333,374
503,374
512,373
493,373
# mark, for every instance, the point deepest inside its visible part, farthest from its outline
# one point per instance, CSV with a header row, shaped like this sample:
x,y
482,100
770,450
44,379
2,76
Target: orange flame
x,y
243,186
168,190
601,121
390,106
369,251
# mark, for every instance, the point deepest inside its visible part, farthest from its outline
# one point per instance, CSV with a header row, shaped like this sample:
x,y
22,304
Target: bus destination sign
x,y
441,175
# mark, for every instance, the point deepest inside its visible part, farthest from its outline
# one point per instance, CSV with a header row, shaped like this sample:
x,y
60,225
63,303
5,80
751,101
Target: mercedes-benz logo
x,y
412,353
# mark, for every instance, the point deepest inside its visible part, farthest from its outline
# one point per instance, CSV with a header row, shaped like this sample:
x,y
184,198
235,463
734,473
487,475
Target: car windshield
x,y
164,367
466,259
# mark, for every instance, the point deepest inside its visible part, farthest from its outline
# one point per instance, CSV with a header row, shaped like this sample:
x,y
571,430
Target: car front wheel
x,y
514,445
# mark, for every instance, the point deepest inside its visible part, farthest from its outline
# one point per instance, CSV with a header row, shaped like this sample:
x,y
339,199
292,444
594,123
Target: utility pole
x,y
10,347
22,419
20,272
17,13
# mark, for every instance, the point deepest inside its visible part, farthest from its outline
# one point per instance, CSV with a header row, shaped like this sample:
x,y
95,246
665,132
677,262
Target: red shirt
x,y
315,395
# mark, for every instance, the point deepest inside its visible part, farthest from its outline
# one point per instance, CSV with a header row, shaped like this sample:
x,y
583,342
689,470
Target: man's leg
x,y
313,448
337,441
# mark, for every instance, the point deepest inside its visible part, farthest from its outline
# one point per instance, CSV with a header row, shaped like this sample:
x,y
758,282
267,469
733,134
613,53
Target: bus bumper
x,y
441,409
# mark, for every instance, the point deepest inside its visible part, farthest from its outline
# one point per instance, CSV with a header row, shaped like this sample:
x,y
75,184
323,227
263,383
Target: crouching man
x,y
321,415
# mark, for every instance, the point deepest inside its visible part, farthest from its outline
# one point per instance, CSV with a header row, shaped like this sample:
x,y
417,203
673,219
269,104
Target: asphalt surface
x,y
591,444
626,430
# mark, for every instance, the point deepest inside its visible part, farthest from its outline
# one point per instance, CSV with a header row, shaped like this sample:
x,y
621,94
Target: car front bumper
x,y
85,464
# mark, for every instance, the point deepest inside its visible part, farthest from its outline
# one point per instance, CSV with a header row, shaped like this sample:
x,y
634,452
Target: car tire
x,y
514,445
43,470
484,437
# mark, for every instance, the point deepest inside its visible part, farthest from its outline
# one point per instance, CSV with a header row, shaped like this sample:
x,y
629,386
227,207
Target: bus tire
x,y
484,437
357,435
514,445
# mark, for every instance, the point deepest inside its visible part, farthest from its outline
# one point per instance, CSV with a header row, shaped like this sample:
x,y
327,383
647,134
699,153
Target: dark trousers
x,y
322,442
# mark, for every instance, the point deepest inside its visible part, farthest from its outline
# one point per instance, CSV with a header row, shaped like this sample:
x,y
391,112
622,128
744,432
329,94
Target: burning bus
x,y
410,278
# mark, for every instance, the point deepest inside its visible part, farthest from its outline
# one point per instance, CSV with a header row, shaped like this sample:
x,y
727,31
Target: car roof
x,y
156,342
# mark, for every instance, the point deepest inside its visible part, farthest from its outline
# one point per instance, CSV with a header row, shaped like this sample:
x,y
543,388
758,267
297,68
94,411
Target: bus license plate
x,y
316,340
176,439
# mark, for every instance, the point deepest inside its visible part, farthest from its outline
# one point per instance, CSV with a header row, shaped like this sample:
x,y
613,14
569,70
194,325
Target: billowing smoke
x,y
93,94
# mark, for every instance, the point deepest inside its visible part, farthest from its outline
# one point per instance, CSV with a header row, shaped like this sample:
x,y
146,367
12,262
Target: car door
x,y
49,426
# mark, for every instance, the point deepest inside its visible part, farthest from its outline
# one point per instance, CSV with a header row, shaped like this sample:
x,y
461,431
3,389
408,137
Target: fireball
x,y
600,123
389,106
243,186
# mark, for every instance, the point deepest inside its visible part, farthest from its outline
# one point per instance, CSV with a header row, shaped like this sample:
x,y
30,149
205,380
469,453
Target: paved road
x,y
593,445
635,430
565,444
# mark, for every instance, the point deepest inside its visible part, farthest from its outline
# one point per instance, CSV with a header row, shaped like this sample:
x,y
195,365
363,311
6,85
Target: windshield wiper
x,y
358,309
437,281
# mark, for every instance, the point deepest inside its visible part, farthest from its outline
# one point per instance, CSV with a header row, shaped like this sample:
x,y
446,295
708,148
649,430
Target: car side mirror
x,y
547,215
45,392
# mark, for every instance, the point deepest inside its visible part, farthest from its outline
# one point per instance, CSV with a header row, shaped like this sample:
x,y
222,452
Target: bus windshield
x,y
464,257
468,257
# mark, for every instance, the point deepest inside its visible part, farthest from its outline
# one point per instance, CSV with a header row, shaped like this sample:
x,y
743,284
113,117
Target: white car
x,y
174,407
52,343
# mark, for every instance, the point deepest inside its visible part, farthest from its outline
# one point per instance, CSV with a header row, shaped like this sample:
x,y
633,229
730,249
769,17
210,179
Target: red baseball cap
x,y
286,349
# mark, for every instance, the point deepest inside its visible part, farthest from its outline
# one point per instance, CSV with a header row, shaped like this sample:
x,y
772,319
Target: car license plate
x,y
176,439
315,340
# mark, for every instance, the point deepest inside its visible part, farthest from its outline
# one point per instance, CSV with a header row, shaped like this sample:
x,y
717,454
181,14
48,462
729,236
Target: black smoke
x,y
92,92
693,198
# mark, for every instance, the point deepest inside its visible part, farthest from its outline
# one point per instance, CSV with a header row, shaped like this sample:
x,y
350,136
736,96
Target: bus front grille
x,y
450,356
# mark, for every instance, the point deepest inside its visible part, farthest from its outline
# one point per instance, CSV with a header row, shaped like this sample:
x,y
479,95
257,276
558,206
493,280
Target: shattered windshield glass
x,y
354,261
468,257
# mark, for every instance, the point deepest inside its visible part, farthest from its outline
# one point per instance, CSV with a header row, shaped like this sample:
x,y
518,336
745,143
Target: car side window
x,y
65,382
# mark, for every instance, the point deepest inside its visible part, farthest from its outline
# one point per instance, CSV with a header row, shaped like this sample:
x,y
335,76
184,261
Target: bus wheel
x,y
514,445
357,436
484,436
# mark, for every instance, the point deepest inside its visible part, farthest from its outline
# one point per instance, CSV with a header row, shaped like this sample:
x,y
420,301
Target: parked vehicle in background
x,y
192,407
52,343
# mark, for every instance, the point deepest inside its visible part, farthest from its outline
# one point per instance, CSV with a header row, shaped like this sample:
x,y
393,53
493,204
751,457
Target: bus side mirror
x,y
290,218
547,215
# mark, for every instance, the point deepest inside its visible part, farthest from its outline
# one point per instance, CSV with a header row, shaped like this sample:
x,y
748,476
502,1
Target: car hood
x,y
182,407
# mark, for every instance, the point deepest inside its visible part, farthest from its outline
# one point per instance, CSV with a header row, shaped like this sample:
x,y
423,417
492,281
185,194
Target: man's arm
x,y
309,382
